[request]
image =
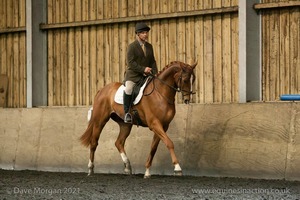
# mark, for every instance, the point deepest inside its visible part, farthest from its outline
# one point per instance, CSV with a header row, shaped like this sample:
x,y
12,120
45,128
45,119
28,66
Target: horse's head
x,y
185,79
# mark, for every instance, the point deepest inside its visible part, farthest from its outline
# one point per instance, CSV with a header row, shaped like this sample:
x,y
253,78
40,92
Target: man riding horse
x,y
156,108
140,63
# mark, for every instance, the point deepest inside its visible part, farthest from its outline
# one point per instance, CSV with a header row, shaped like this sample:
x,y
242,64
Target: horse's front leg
x,y
170,146
154,145
159,131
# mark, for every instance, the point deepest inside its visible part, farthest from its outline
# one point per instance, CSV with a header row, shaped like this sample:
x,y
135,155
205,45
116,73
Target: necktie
x,y
144,49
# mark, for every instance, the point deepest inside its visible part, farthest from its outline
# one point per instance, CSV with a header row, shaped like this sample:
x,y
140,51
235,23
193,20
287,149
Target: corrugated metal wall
x,y
82,59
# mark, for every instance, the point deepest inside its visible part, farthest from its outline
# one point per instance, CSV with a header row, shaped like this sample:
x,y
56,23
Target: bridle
x,y
179,89
176,89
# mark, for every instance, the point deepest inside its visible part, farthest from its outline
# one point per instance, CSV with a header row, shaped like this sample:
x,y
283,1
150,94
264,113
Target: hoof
x,y
147,176
91,173
177,173
127,171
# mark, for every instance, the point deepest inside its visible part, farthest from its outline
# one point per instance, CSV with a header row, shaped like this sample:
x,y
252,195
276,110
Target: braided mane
x,y
181,64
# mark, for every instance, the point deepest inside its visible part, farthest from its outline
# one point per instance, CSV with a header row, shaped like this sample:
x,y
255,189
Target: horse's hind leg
x,y
97,129
120,142
154,145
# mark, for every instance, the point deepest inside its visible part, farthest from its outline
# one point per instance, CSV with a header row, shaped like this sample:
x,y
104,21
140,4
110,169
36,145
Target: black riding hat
x,y
140,27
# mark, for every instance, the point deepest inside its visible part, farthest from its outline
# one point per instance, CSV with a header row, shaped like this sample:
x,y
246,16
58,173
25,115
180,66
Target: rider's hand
x,y
147,70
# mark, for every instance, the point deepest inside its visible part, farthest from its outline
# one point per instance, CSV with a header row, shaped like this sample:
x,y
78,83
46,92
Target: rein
x,y
172,87
165,83
178,89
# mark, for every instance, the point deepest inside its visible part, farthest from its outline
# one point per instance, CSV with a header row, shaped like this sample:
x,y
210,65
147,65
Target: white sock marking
x,y
124,157
177,167
90,165
147,172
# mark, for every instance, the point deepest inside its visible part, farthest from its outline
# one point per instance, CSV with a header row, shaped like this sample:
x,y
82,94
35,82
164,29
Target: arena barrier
x,y
251,140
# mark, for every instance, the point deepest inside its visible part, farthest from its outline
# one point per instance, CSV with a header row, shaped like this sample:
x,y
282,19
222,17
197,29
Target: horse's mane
x,y
179,63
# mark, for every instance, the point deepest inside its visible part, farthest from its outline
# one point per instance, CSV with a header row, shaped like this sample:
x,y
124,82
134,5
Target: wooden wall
x,y
83,59
281,51
13,50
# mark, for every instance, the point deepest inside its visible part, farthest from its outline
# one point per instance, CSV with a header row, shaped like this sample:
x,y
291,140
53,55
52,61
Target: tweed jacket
x,y
137,61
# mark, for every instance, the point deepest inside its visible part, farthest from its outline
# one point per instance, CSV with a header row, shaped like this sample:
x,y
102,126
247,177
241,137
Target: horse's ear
x,y
194,65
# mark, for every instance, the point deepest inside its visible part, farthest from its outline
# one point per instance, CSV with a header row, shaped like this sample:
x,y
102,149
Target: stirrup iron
x,y
128,118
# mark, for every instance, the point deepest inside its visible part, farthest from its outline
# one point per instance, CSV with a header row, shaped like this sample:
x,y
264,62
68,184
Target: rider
x,y
140,62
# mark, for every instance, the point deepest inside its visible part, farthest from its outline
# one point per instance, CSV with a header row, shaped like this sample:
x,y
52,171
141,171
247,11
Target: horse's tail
x,y
86,136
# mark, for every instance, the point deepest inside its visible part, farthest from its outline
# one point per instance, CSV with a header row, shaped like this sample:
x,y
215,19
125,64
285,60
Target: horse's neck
x,y
167,80
168,75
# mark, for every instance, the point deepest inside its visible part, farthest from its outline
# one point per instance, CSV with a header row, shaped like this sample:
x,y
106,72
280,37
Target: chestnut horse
x,y
156,110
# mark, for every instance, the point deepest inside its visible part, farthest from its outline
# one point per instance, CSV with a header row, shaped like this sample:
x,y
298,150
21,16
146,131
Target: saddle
x,y
137,93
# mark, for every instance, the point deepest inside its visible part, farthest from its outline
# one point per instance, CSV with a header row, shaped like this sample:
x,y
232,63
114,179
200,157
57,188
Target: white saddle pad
x,y
120,92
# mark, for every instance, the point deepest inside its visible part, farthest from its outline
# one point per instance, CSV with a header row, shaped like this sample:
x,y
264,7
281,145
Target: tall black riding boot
x,y
127,105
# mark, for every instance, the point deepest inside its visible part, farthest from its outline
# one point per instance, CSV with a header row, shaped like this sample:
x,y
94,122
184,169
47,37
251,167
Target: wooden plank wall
x,y
83,59
281,51
13,51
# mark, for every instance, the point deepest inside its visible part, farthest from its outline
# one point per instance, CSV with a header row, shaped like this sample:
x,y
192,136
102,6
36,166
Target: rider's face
x,y
143,36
